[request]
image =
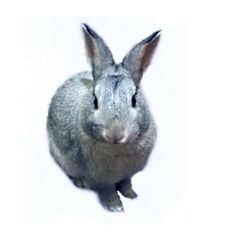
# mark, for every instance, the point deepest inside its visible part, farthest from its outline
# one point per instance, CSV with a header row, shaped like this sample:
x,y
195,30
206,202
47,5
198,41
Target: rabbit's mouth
x,y
115,132
115,136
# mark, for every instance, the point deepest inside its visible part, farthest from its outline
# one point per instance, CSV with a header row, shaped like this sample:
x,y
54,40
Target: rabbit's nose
x,y
115,134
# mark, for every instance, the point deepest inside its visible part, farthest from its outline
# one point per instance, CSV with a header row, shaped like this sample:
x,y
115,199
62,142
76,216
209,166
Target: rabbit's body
x,y
99,126
104,162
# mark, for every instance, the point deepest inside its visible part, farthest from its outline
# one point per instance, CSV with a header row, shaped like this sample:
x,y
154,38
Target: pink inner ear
x,y
139,57
92,50
147,53
89,44
97,51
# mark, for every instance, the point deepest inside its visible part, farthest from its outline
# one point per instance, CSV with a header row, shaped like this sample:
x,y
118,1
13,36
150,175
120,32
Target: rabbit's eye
x,y
134,100
95,102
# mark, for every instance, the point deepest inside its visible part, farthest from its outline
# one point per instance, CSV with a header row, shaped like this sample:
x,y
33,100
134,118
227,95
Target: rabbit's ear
x,y
99,55
139,57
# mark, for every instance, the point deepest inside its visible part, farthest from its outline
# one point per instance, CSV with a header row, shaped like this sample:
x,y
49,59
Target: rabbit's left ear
x,y
99,55
139,57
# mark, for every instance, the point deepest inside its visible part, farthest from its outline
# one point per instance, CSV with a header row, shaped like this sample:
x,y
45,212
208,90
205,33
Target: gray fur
x,y
95,134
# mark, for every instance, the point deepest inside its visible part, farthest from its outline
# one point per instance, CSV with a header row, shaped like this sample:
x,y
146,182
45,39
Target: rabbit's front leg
x,y
109,198
80,182
125,188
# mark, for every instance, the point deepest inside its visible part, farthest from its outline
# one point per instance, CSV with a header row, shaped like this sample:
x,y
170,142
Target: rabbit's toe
x,y
116,208
125,188
113,206
129,193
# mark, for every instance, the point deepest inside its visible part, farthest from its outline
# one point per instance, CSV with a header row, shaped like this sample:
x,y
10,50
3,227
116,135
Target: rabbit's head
x,y
119,112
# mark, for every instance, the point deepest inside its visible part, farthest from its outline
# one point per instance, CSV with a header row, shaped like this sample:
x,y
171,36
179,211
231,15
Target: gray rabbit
x,y
99,125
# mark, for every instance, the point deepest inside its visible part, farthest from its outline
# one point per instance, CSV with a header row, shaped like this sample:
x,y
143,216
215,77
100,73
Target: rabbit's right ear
x,y
139,57
99,55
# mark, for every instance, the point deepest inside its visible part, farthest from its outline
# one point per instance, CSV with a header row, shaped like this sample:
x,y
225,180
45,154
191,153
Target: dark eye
x,y
95,102
134,100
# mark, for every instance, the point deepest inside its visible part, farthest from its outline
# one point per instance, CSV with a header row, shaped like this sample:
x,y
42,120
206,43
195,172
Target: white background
x,y
208,204
54,50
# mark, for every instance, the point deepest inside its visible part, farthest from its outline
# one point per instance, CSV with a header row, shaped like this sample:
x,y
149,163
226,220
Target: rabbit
x,y
100,129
